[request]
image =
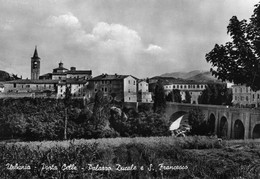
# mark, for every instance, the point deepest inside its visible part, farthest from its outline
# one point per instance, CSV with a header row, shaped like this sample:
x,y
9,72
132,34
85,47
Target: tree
x,y
216,94
187,97
176,95
67,102
238,61
159,98
197,122
100,116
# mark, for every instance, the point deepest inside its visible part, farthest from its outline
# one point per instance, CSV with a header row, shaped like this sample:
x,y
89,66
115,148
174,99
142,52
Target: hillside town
x,y
120,87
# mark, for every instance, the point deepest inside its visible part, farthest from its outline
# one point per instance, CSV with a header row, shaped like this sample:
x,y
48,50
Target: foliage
x,y
41,119
216,94
159,98
139,124
100,116
174,96
198,123
238,61
223,162
187,97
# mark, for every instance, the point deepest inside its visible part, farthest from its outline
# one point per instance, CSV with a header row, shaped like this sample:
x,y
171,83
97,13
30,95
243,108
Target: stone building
x,y
243,96
143,92
120,87
61,73
193,87
49,85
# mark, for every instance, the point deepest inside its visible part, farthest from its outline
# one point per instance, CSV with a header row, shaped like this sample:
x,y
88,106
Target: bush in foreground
x,y
155,157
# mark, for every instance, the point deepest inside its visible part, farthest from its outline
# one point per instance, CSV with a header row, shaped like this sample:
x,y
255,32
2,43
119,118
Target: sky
x,y
143,38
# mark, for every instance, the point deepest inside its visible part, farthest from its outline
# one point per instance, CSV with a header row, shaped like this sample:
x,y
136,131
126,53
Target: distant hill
x,y
4,76
196,75
205,76
183,75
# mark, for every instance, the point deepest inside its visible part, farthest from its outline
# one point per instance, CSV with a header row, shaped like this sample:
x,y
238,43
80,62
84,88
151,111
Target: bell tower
x,y
35,65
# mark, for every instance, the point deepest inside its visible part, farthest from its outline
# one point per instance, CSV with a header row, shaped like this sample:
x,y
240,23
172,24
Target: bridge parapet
x,y
249,118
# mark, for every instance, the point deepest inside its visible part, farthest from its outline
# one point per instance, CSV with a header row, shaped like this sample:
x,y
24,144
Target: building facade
x,y
143,92
49,85
194,88
62,73
245,97
118,87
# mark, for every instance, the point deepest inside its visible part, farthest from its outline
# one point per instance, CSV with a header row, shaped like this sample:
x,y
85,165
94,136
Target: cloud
x,y
155,49
108,37
65,20
119,47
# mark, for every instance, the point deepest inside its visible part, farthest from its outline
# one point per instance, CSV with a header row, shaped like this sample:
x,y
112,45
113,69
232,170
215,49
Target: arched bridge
x,y
229,122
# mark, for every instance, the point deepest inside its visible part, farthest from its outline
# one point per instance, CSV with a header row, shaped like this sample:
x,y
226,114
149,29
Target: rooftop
x,y
88,72
109,77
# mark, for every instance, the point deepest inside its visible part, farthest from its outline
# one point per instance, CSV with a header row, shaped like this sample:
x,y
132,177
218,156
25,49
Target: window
x,y
235,97
181,86
253,96
36,86
128,90
102,89
134,82
258,96
105,89
128,81
246,98
22,86
14,85
173,86
198,86
177,86
95,89
129,98
49,86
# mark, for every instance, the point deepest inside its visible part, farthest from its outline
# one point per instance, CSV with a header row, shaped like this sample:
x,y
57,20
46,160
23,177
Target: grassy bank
x,y
154,157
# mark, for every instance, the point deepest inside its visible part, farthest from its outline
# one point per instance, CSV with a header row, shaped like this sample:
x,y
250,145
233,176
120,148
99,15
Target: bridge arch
x,y
239,129
223,127
211,123
256,131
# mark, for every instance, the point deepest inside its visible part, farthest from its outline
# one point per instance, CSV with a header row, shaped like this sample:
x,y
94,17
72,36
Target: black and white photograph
x,y
129,89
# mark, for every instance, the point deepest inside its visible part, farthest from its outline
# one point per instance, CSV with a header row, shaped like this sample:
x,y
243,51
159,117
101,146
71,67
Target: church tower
x,y
35,65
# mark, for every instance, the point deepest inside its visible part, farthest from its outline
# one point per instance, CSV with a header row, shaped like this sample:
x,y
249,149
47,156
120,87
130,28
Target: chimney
x,y
72,68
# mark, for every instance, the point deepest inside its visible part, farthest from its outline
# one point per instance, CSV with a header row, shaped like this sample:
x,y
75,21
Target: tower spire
x,y
35,54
